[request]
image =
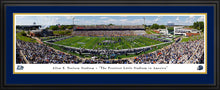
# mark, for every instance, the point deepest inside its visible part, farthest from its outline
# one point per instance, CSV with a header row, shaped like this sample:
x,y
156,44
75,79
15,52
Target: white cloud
x,y
149,22
76,20
43,20
69,17
111,20
123,20
157,19
19,17
177,19
192,17
47,20
190,20
57,18
170,22
103,17
137,21
200,18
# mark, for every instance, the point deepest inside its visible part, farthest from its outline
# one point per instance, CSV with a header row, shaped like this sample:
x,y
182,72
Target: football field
x,y
108,42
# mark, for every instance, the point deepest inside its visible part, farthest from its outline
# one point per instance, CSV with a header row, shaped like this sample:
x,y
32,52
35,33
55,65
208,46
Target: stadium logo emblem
x,y
200,67
19,67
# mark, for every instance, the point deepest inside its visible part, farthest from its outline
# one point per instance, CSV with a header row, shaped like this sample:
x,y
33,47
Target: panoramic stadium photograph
x,y
110,39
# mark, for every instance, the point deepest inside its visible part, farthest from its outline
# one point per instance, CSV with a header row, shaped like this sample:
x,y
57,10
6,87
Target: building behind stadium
x,y
186,31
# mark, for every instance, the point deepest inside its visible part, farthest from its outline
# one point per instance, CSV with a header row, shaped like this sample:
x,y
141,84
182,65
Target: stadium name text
x,y
103,67
109,68
73,67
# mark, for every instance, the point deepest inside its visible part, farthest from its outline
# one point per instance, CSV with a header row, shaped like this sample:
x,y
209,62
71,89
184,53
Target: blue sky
x,y
118,20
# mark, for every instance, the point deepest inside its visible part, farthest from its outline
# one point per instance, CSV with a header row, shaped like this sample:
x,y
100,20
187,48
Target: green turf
x,y
63,50
154,49
119,56
92,42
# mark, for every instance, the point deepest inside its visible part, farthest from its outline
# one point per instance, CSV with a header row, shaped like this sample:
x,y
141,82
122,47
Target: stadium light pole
x,y
144,23
173,32
73,24
73,20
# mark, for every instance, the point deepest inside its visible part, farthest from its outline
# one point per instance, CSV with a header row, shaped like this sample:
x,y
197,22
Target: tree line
x,y
156,26
198,25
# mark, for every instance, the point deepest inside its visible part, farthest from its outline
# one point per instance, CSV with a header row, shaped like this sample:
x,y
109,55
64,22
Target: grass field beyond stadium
x,y
99,42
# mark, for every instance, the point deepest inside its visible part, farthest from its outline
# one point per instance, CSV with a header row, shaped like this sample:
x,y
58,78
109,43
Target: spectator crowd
x,y
37,53
110,27
191,52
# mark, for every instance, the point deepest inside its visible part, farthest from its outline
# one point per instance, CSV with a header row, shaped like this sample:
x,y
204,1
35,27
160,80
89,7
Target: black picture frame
x,y
5,3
